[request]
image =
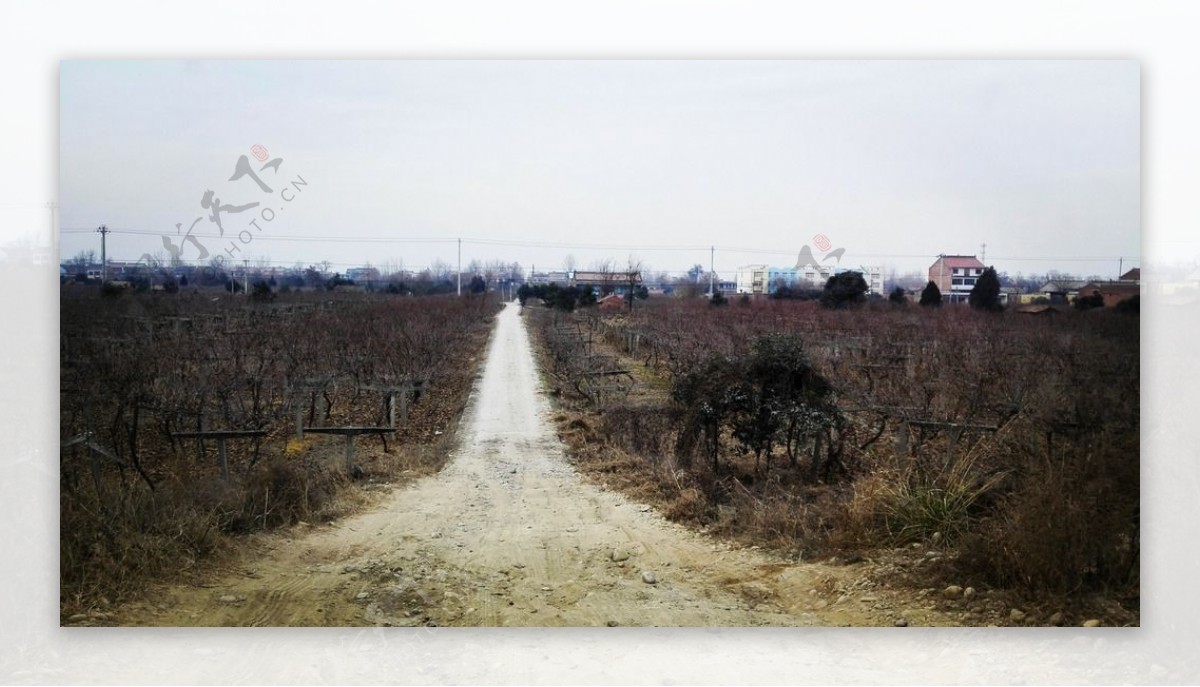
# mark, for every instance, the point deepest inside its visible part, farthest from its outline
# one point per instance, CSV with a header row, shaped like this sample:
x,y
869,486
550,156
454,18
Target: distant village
x,y
954,275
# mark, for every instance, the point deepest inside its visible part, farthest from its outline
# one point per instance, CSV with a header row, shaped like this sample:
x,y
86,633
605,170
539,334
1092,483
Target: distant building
x,y
1062,290
541,278
611,282
955,276
362,274
1010,295
764,280
1133,275
781,276
874,278
814,277
1112,292
752,279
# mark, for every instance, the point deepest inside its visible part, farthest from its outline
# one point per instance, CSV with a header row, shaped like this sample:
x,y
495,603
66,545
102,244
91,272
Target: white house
x,y
752,279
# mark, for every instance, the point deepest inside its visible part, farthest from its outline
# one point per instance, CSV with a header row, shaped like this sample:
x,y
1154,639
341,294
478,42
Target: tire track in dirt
x,y
509,534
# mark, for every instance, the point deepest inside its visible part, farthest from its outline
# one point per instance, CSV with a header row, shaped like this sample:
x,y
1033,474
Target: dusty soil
x,y
508,534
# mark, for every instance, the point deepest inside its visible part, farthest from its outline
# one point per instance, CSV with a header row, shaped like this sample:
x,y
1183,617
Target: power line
x,y
275,237
526,243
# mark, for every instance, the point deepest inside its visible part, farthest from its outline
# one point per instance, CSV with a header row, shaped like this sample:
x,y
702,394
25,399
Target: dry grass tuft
x,y
921,503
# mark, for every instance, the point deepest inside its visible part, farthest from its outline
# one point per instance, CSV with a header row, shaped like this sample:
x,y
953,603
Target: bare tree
x,y
439,270
84,258
607,275
633,279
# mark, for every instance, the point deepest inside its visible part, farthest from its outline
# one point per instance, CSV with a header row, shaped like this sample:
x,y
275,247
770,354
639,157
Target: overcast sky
x,y
532,161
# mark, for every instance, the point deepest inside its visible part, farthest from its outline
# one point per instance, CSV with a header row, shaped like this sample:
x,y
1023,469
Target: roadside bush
x,y
771,397
706,396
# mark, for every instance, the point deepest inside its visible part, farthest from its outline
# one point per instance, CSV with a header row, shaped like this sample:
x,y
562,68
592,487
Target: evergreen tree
x,y
260,290
897,296
585,296
986,293
931,296
844,290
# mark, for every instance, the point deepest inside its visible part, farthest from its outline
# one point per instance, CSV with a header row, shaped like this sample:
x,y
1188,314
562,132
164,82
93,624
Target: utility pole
x,y
245,276
1121,267
983,249
460,267
103,231
712,256
942,276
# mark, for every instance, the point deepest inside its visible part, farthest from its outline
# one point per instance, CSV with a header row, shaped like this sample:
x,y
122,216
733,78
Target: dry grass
x,y
1065,528
119,536
1017,511
918,504
111,547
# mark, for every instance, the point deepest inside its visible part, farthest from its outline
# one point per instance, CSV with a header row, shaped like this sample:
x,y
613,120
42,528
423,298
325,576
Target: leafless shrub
x,y
137,370
1042,493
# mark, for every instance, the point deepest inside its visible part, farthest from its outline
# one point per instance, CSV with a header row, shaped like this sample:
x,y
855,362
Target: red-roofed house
x,y
955,275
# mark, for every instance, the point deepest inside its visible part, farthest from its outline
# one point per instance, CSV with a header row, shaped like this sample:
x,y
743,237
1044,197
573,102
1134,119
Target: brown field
x,y
137,369
1004,445
838,467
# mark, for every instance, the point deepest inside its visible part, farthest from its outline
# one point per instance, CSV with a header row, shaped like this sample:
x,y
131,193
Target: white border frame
x,y
33,649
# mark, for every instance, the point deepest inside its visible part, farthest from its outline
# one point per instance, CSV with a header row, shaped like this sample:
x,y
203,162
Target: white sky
x,y
895,161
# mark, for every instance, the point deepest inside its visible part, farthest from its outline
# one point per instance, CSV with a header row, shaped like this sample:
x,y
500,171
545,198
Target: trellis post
x,y
221,436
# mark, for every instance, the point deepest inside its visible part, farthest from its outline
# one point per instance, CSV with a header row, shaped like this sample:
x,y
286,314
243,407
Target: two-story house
x,y
955,276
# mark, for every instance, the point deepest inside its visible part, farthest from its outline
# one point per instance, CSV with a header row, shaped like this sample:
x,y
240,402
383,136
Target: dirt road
x,y
508,534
